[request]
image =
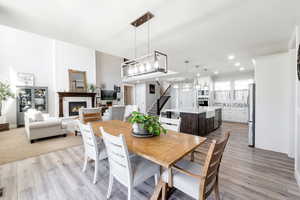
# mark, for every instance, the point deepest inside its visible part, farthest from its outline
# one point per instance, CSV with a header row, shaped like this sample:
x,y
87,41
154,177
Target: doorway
x,y
128,95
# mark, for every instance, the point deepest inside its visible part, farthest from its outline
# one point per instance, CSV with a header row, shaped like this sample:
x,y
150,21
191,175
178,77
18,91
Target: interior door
x,y
128,95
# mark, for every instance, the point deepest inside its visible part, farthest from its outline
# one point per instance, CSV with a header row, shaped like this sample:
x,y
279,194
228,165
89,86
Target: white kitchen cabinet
x,y
235,115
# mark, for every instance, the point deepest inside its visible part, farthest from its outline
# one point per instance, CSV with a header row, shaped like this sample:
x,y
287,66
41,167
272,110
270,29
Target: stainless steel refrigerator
x,y
251,116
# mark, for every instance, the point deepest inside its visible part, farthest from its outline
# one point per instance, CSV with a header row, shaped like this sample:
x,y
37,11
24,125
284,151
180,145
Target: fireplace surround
x,y
62,95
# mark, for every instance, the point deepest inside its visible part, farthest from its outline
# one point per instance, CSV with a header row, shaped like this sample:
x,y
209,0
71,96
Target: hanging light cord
x,y
149,37
135,43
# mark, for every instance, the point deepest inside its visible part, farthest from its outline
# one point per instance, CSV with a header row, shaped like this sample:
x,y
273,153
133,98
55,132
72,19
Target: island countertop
x,y
200,109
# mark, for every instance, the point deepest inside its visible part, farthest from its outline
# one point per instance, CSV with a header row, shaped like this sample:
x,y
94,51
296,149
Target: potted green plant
x,y
92,88
5,93
145,125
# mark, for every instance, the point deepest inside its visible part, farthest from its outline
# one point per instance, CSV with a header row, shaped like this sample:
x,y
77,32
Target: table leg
x,y
163,190
170,178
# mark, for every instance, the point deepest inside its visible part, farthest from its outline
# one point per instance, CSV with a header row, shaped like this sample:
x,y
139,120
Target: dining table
x,y
164,150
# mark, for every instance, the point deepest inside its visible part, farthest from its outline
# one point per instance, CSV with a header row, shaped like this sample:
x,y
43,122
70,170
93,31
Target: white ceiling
x,y
201,31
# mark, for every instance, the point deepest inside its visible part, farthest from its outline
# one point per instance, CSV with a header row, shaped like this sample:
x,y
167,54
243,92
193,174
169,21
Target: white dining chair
x,y
93,149
128,110
129,171
170,124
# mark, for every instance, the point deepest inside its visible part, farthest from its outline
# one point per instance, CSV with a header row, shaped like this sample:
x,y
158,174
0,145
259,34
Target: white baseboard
x,y
297,176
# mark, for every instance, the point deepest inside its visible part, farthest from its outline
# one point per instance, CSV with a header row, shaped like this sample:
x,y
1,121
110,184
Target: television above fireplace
x,y
75,106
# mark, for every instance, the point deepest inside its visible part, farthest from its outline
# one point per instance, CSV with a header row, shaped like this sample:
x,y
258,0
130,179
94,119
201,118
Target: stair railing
x,y
160,104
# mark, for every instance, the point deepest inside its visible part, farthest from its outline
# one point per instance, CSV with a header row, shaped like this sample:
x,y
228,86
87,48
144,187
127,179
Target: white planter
x,y
136,128
139,131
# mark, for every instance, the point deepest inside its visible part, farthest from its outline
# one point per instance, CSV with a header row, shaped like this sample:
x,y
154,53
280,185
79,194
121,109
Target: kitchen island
x,y
198,121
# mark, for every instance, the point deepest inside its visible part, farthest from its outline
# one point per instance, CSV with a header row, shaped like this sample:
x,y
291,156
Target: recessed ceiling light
x,y
216,72
198,74
231,57
237,64
242,68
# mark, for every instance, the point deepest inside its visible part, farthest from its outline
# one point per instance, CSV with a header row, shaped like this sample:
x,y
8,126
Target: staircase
x,y
158,105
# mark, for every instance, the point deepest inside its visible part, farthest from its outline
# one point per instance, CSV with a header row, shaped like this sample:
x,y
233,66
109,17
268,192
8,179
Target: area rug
x,y
14,145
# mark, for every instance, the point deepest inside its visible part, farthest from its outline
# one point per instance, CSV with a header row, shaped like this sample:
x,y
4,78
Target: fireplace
x,y
75,106
65,97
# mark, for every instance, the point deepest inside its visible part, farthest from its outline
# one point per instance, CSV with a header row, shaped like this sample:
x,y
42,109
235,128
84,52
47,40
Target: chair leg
x,y
192,156
164,191
96,171
156,179
216,189
110,184
130,193
85,163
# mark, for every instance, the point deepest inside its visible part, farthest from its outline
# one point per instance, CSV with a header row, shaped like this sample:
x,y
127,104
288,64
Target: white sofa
x,y
43,127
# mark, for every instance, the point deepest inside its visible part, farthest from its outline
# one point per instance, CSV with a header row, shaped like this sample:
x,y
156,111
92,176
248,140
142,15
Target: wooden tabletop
x,y
164,150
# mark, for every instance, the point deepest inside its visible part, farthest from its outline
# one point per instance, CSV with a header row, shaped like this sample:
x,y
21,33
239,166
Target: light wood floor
x,y
245,173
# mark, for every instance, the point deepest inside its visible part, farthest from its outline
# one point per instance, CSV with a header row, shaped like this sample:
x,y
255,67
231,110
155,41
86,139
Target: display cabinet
x,y
31,97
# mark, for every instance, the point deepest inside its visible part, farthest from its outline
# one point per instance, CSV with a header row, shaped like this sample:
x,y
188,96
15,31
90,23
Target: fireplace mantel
x,y
61,96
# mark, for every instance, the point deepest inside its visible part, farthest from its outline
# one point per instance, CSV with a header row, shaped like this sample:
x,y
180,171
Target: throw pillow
x,y
38,116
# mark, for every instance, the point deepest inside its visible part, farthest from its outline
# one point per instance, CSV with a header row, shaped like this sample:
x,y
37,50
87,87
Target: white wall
x,y
151,98
274,78
234,76
48,59
23,52
140,96
108,71
143,98
294,45
69,56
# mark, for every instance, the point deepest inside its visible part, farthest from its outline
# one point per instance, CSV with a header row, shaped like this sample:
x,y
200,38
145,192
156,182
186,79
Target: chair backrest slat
x,y
211,166
128,110
89,140
118,157
170,124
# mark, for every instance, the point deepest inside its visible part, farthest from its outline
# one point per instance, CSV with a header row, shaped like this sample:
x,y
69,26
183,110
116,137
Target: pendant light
x,y
155,62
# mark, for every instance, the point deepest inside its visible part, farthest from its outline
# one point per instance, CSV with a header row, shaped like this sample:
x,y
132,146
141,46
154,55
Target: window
x,y
222,86
242,84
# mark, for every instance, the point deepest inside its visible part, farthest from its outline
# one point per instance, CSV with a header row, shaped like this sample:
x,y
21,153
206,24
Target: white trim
x,y
293,39
122,91
297,177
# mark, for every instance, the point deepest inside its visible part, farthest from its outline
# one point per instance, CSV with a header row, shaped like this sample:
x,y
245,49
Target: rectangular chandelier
x,y
151,63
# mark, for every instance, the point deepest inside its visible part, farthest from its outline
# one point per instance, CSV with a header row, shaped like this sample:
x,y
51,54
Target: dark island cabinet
x,y
202,124
193,123
210,125
189,123
218,118
198,124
